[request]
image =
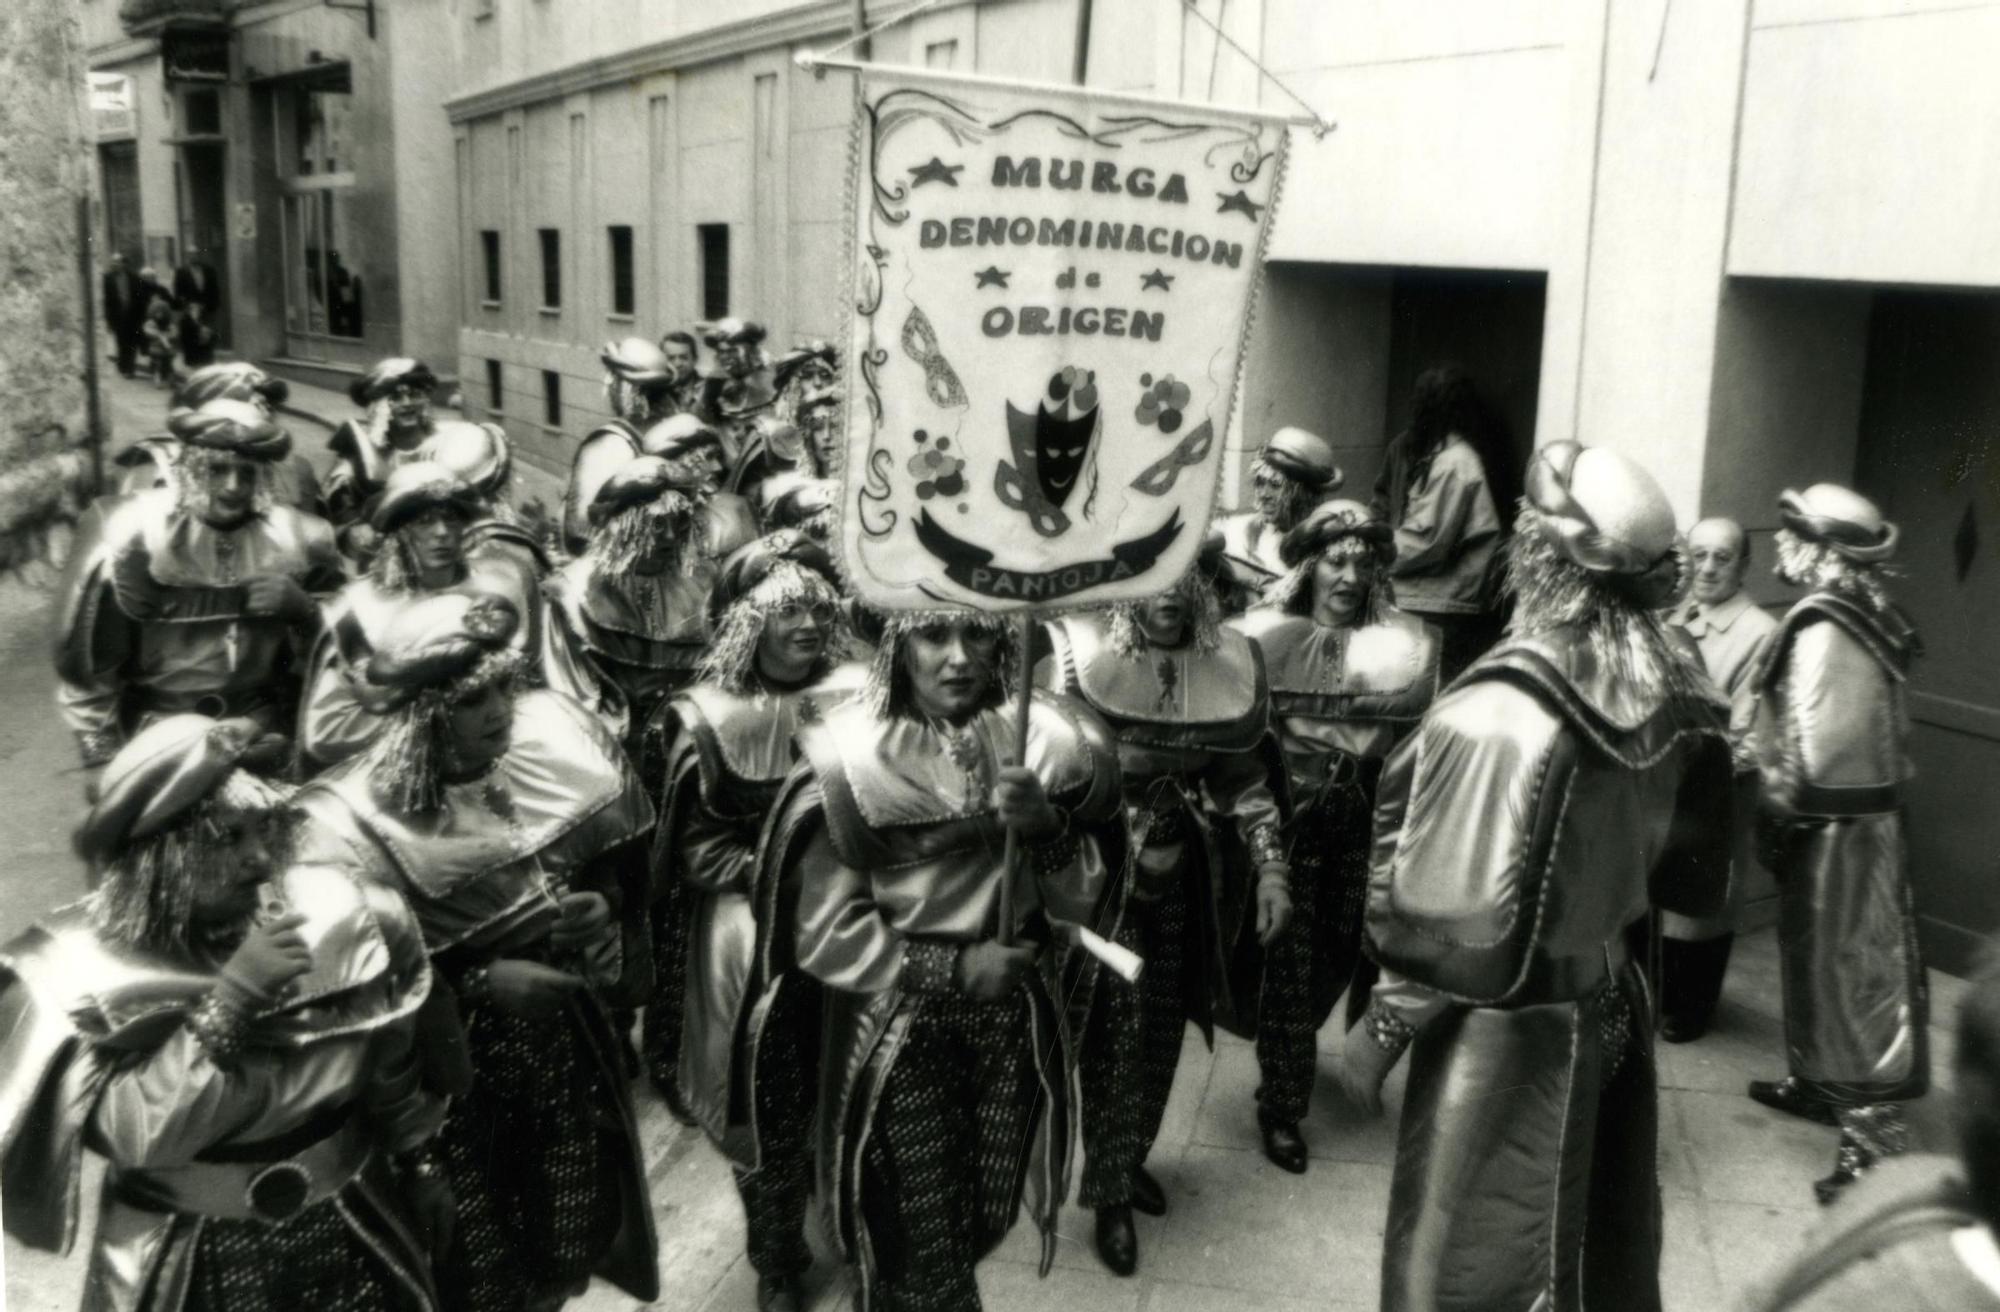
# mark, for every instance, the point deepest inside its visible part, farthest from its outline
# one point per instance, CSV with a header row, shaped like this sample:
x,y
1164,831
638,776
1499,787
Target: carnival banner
x,y
1052,291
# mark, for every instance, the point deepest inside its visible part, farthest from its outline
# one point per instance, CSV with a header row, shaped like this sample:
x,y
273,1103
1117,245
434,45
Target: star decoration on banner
x,y
935,171
1159,278
1239,202
992,276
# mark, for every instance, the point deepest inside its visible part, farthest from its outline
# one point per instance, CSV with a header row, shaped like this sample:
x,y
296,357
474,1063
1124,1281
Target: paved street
x,y
1240,1234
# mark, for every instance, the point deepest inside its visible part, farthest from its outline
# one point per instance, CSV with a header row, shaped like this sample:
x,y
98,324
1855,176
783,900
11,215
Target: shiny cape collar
x,y
1633,726
1887,636
564,779
748,738
879,775
596,603
1215,701
1385,670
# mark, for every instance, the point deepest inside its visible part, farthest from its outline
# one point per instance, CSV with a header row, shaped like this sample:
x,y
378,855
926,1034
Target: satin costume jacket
x,y
1542,806
94,1053
881,838
1194,735
152,616
483,877
1832,733
727,755
334,724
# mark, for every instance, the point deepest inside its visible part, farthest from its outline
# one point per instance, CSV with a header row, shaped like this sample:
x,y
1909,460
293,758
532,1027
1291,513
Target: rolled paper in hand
x,y
1123,962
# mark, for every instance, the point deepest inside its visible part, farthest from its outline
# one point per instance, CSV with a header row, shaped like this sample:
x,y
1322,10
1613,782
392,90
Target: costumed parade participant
x,y
395,400
694,451
1919,1233
200,596
772,666
1832,737
1575,772
1187,700
233,1034
1349,675
480,456
1731,631
421,518
508,819
946,1077
794,434
683,364
638,387
1292,473
149,462
740,389
805,504
1442,490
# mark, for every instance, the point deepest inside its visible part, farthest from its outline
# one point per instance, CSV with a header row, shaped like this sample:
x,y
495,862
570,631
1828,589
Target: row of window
x,y
711,238
496,394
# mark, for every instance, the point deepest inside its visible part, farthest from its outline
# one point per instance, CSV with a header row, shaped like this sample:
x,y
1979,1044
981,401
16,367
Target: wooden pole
x,y
1010,854
92,403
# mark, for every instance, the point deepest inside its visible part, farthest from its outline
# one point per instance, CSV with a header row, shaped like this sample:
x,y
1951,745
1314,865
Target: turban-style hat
x,y
436,640
740,331
415,488
167,769
1842,520
1304,457
239,427
752,563
805,357
636,482
234,380
637,361
1607,515
387,375
797,500
477,454
1331,521
677,435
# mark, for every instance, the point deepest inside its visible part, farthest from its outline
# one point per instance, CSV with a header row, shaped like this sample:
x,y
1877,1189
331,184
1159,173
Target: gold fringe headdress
x,y
410,492
1197,588
785,568
1334,530
435,653
1837,540
638,511
167,809
887,691
225,429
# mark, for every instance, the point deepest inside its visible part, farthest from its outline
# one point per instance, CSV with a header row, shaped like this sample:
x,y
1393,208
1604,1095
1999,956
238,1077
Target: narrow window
x,y
714,269
551,268
489,250
622,293
551,398
493,388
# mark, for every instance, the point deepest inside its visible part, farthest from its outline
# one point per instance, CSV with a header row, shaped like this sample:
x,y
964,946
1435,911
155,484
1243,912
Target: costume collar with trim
x,y
1887,636
1182,688
1390,662
749,737
1633,725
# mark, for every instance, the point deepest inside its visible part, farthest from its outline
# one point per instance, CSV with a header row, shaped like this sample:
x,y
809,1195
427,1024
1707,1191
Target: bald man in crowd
x,y
1732,632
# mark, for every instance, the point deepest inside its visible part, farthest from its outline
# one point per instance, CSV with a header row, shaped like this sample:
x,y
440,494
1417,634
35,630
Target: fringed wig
x,y
376,392
640,512
191,480
1203,620
777,571
171,808
888,691
412,493
1818,566
1595,551
435,654
1836,539
1293,498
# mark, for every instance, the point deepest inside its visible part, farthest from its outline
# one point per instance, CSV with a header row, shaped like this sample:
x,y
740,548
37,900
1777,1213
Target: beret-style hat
x,y
1608,516
637,361
741,331
235,380
239,427
414,488
676,435
167,769
478,454
1328,523
387,375
434,640
636,482
1844,520
1305,457
756,561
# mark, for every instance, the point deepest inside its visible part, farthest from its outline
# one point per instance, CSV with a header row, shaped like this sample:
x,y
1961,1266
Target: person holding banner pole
x,y
1187,700
1350,675
947,1068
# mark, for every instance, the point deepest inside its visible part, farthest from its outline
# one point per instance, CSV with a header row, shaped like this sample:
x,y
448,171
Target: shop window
x,y
551,398
322,134
623,293
551,241
201,112
714,238
495,393
489,250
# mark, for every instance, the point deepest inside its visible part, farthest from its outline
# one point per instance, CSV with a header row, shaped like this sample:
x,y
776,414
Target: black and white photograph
x,y
937,655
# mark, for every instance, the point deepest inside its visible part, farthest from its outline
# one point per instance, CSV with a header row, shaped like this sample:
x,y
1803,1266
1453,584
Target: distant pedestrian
x,y
196,338
161,335
124,312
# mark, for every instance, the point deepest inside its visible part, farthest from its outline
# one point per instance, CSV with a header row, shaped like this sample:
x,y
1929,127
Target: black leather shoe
x,y
1786,1096
1117,1242
1830,1188
1285,1146
779,1294
1147,1196
1675,1029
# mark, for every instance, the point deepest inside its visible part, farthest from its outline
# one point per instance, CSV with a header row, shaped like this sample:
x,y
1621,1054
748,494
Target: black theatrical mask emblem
x,y
1062,428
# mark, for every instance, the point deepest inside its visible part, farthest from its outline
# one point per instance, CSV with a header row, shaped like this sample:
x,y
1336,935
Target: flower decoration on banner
x,y
1164,402
937,471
